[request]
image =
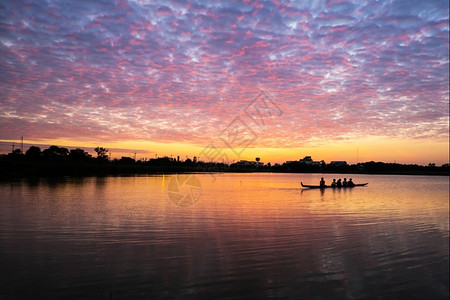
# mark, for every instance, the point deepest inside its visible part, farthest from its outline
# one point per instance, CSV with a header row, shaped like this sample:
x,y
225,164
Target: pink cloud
x,y
181,72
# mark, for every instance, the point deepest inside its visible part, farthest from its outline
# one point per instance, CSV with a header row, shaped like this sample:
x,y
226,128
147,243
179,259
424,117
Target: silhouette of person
x,y
350,183
339,183
322,182
344,183
334,183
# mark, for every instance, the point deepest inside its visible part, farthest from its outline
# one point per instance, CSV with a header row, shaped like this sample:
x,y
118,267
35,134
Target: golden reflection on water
x,y
255,194
247,197
258,234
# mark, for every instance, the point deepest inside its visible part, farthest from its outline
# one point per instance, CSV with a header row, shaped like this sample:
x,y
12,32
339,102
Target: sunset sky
x,y
229,80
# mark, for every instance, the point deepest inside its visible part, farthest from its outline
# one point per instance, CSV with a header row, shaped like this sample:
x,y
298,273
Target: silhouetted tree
x,y
16,154
79,154
55,153
33,152
127,160
101,153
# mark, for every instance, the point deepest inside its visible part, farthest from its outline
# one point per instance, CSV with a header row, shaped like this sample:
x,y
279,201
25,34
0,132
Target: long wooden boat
x,y
329,186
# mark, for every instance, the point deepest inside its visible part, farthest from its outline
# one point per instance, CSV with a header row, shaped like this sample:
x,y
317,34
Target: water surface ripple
x,y
248,236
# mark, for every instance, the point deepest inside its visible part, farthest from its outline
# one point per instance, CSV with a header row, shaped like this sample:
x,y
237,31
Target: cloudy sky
x,y
338,80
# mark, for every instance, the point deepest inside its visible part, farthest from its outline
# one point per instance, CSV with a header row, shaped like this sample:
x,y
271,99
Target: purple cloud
x,y
175,71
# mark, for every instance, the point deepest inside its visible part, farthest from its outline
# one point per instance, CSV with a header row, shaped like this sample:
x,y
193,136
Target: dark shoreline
x,y
11,169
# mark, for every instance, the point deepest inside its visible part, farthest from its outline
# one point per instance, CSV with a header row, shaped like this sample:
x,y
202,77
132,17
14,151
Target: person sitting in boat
x,y
344,183
339,183
350,183
334,183
322,183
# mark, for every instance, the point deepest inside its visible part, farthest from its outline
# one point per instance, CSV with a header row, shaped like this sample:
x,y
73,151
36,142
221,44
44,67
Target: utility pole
x,y
21,148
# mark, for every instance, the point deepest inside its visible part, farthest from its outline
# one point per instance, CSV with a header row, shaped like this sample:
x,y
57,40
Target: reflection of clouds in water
x,y
257,239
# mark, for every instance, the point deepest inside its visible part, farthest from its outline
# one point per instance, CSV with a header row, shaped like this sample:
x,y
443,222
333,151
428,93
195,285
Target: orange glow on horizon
x,y
363,150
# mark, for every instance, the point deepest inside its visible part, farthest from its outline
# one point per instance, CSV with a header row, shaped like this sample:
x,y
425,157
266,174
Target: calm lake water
x,y
235,236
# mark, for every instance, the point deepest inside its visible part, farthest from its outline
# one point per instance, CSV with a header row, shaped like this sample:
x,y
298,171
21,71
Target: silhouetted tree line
x,y
53,153
361,168
60,161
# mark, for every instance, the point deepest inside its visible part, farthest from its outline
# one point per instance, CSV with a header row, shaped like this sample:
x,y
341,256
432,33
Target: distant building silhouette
x,y
307,160
250,163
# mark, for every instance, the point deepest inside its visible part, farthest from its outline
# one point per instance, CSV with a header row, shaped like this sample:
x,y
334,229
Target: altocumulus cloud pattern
x,y
177,71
